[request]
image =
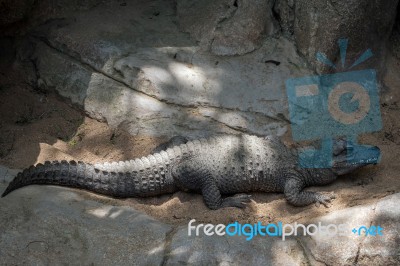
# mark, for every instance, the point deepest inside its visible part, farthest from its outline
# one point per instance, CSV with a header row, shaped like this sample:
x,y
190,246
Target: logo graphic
x,y
368,231
280,229
344,104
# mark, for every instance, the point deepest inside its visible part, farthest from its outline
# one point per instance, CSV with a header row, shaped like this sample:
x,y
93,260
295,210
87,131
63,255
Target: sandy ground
x,y
37,126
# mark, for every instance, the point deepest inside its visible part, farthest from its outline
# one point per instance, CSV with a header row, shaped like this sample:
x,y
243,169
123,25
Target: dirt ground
x,y
38,126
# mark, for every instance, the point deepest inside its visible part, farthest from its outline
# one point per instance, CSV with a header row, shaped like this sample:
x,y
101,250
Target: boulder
x,y
232,250
46,225
232,27
366,24
356,247
284,13
163,84
245,30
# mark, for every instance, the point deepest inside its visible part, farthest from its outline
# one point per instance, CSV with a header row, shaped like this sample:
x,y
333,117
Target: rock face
x,y
244,31
354,249
166,68
395,37
367,24
227,250
284,11
232,27
200,18
163,84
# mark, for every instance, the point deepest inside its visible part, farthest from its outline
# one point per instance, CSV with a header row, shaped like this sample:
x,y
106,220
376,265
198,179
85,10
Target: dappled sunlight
x,y
106,212
156,250
143,103
162,73
159,74
230,95
192,77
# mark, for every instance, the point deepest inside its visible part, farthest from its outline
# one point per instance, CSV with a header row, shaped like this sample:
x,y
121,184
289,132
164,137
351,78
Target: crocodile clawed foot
x,y
324,198
239,201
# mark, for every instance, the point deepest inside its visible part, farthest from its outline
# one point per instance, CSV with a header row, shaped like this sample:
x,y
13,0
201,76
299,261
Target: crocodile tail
x,y
86,176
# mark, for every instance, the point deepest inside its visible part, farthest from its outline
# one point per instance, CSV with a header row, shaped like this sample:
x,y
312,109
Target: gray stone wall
x,y
190,67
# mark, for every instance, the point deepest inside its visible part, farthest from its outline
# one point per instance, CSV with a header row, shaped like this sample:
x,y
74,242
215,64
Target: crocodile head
x,y
348,157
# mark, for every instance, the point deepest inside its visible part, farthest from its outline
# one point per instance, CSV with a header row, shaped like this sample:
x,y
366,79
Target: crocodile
x,y
221,168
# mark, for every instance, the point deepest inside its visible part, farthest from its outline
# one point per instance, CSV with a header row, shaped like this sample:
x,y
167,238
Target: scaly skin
x,y
224,165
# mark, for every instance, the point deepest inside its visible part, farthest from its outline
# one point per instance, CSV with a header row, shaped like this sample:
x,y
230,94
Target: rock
x,y
58,72
395,37
383,250
7,174
201,18
140,114
247,83
7,51
19,17
318,26
338,250
235,250
181,89
54,225
125,28
355,249
245,30
395,43
12,11
227,27
284,13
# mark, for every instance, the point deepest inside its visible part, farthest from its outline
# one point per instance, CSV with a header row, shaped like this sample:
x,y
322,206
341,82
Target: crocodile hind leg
x,y
213,200
191,176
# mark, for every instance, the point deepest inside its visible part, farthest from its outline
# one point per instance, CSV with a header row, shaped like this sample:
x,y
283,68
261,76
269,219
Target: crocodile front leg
x,y
297,197
191,176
